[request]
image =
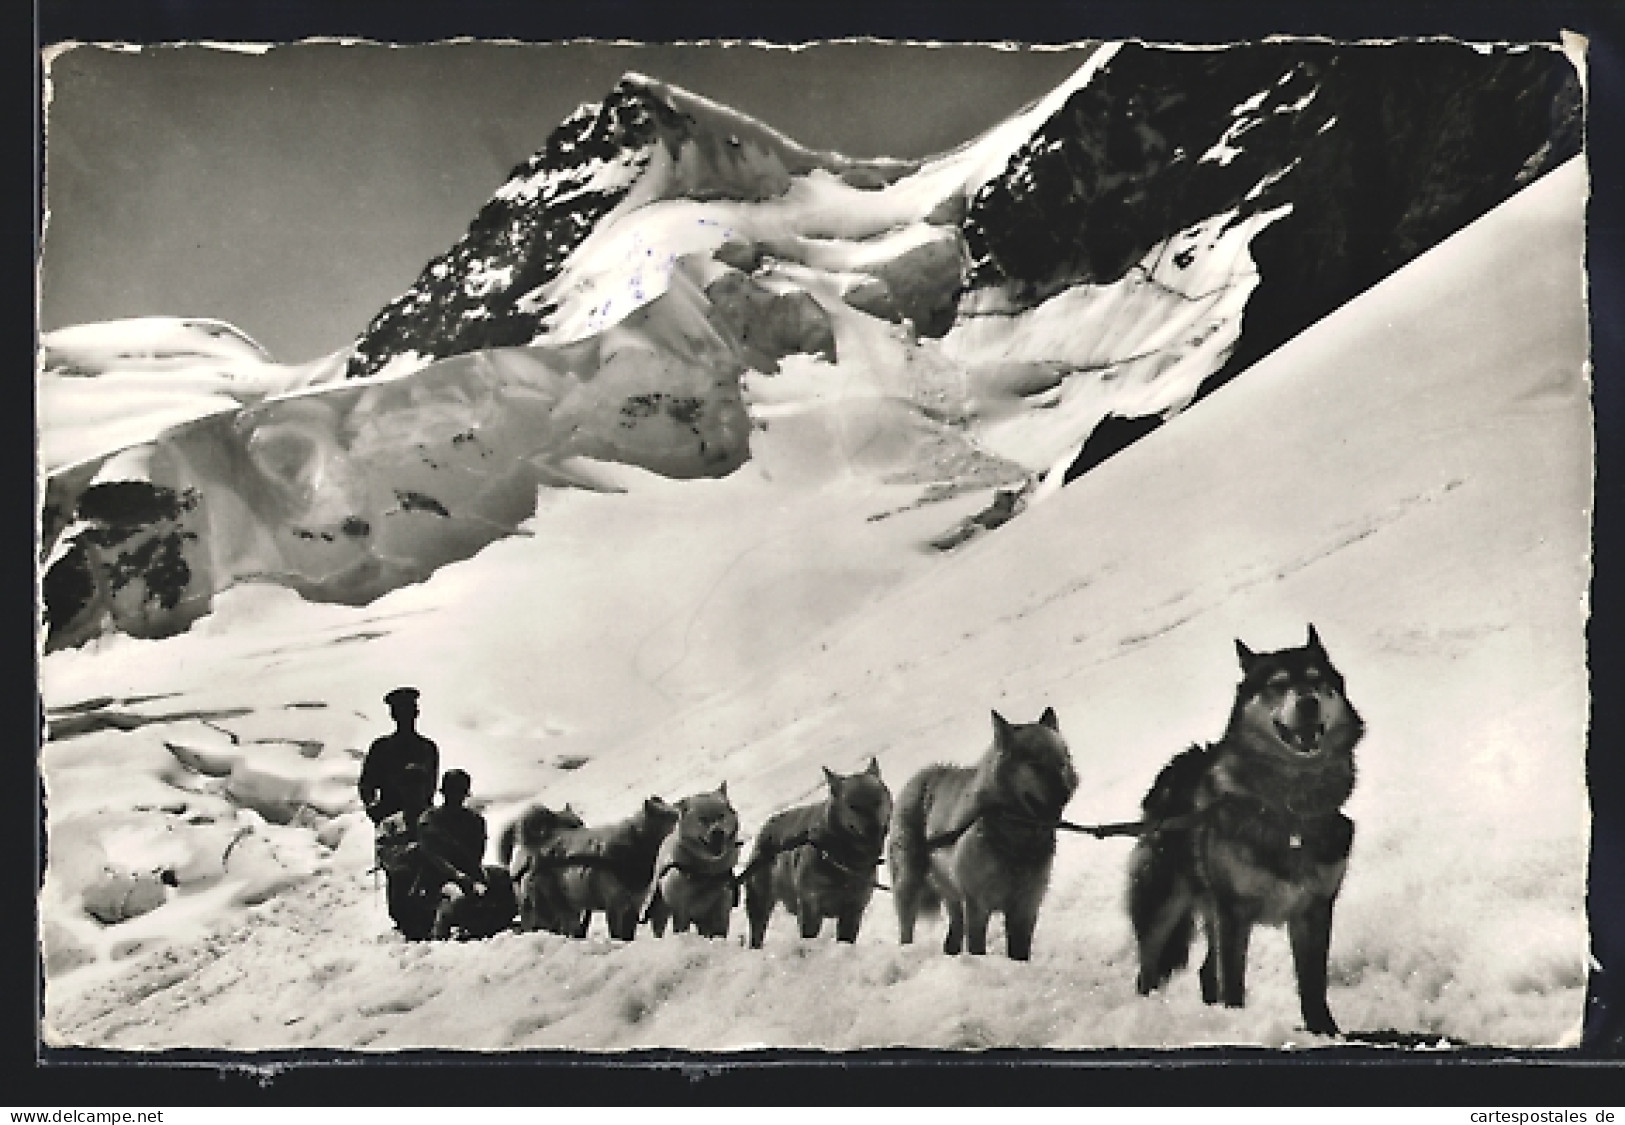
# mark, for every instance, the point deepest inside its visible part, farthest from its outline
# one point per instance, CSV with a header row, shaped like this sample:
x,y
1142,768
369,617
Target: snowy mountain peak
x,y
673,285
646,141
694,117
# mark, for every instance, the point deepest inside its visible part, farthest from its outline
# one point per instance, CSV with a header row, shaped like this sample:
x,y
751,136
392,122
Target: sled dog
x,y
1247,830
981,839
520,846
694,873
608,868
819,860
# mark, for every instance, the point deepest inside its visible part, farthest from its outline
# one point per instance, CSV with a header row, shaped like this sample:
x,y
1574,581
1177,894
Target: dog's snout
x,y
1307,711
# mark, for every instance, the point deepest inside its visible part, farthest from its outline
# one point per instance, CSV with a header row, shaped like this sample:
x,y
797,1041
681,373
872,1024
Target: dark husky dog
x,y
1247,830
520,846
819,860
608,868
982,839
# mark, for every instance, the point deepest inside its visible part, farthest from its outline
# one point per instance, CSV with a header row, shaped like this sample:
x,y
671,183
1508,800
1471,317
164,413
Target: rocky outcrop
x,y
646,141
1381,152
470,297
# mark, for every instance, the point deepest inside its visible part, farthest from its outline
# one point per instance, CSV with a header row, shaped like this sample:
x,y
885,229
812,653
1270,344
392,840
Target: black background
x,y
1585,1079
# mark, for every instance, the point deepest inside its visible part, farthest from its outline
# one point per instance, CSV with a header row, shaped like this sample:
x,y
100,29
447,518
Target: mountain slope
x,y
1412,475
668,279
645,142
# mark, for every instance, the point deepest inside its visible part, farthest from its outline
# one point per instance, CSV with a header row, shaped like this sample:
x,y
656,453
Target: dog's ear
x,y
1049,720
1313,644
722,790
832,779
1248,658
1001,728
874,767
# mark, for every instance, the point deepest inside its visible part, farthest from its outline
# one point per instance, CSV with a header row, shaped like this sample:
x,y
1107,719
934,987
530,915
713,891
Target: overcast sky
x,y
295,192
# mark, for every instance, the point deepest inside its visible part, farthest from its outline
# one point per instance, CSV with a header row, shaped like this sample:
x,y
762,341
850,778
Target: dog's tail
x,y
506,841
536,825
907,853
1161,907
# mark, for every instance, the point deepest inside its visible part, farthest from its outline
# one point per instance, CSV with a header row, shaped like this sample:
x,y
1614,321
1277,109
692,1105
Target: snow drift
x,y
1412,475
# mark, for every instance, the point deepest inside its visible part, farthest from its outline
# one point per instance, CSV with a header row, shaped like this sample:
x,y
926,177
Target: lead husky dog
x,y
819,860
1248,830
694,874
982,839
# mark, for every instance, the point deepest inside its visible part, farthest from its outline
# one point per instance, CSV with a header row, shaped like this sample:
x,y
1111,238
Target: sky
x,y
295,192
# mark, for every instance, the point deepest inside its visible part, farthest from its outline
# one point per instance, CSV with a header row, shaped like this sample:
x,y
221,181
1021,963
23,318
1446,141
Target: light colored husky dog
x,y
819,860
694,873
982,839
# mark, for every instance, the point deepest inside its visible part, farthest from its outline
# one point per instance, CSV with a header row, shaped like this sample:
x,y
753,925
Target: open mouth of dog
x,y
1305,741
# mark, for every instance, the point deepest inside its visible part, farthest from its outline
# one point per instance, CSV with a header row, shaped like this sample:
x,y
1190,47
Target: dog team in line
x,y
1243,831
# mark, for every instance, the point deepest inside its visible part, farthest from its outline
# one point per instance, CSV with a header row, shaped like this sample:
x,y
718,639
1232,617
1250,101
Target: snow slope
x,y
1412,475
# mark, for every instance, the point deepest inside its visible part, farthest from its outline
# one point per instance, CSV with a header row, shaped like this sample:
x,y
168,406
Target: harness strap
x,y
766,855
1135,828
845,869
573,860
952,836
1101,831
727,874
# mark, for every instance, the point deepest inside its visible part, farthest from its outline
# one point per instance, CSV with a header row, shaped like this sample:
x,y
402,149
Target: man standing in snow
x,y
401,769
397,784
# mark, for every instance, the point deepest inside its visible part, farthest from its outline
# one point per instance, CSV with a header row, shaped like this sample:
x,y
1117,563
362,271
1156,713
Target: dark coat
x,y
400,774
453,836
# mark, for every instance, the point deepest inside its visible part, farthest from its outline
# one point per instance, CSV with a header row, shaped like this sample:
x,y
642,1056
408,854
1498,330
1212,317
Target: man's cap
x,y
402,695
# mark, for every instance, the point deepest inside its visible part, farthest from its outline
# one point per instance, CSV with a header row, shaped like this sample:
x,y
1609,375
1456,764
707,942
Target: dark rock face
x,y
1114,434
129,559
1381,151
524,234
485,291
